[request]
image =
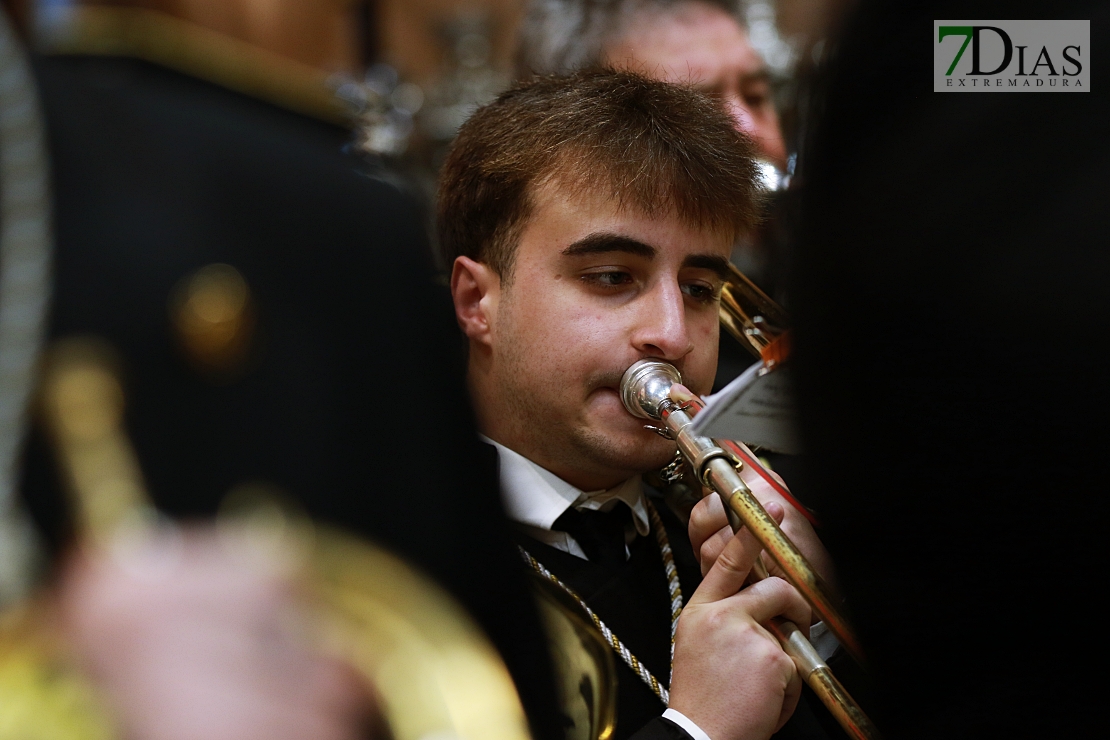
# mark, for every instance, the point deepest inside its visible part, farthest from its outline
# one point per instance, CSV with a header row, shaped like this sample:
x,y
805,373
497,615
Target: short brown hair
x,y
654,146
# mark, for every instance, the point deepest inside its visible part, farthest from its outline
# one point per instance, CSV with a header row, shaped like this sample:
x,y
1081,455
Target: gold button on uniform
x,y
213,317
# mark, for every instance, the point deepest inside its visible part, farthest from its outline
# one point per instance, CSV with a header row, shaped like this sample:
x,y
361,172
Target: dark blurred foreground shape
x,y
952,339
273,306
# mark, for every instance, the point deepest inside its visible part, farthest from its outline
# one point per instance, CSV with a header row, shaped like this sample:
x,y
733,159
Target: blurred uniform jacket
x,y
952,318
350,398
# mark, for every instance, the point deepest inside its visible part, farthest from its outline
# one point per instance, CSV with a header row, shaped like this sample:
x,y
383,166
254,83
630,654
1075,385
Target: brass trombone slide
x,y
753,319
645,391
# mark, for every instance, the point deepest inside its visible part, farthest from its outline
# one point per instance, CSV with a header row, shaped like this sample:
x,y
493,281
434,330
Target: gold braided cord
x,y
607,634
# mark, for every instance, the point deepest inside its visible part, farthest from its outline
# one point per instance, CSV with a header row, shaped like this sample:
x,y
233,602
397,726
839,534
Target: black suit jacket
x,y
353,399
633,600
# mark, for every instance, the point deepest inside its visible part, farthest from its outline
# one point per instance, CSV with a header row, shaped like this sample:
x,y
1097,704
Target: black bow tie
x,y
600,534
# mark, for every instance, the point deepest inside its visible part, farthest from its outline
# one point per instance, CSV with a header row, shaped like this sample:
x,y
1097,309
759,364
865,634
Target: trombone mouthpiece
x,y
645,387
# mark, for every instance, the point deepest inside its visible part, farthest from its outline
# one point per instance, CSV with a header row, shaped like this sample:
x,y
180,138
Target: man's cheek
x,y
702,368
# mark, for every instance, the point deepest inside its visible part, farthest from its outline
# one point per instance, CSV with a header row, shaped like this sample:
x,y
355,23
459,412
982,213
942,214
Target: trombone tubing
x,y
817,675
715,468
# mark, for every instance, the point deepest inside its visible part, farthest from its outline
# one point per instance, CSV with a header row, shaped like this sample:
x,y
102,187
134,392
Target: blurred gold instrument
x,y
433,671
646,393
754,319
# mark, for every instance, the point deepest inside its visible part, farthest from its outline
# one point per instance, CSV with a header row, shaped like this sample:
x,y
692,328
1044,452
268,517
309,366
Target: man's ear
x,y
475,289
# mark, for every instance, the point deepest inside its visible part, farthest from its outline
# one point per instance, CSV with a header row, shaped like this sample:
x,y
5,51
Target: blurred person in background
x,y
697,42
268,302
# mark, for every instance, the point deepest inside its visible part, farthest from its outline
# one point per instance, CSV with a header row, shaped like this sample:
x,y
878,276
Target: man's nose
x,y
764,132
742,116
661,323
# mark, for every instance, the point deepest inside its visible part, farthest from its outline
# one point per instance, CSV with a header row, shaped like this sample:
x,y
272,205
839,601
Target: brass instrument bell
x,y
435,673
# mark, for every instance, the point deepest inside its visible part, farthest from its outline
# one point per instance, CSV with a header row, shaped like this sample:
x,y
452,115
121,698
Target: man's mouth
x,y
611,379
608,380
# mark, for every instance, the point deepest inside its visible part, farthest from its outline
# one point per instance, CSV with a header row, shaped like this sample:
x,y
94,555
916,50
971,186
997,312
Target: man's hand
x,y
710,531
189,638
731,677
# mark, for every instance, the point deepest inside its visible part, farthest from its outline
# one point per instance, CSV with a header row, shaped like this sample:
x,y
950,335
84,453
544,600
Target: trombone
x,y
754,320
760,325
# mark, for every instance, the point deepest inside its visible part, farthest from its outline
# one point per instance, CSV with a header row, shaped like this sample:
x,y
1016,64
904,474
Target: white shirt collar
x,y
536,497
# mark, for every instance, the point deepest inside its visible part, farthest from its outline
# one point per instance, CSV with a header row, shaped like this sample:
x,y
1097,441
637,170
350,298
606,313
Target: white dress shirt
x,y
535,497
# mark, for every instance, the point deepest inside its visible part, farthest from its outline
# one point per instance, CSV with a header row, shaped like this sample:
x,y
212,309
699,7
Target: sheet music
x,y
755,409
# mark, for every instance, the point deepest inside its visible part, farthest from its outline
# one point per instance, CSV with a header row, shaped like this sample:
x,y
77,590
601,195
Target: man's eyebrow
x,y
712,88
760,75
713,262
602,242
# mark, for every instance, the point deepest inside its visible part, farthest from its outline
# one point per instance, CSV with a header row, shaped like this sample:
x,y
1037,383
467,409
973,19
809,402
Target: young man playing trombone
x,y
590,220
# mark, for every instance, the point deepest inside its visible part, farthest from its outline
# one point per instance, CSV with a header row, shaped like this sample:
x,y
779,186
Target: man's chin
x,y
615,440
632,453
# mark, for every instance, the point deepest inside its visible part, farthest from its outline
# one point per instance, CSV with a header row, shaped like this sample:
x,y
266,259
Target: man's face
x,y
703,45
594,289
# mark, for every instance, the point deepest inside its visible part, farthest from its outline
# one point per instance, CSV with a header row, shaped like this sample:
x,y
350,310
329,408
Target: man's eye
x,y
608,279
700,292
757,97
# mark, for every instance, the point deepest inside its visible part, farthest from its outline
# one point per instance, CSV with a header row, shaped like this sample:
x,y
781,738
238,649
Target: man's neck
x,y
583,480
501,421
536,498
